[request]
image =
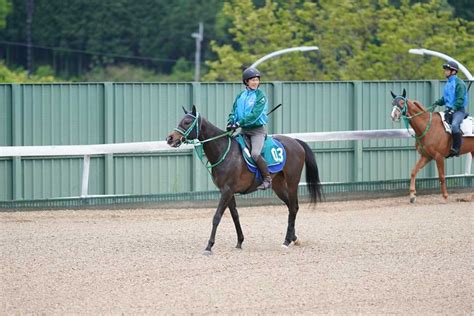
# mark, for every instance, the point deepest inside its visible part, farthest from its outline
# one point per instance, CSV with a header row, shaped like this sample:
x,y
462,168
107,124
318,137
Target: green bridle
x,y
198,144
407,118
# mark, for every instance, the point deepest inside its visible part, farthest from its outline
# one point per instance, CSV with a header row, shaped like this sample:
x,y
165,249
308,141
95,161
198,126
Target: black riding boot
x,y
267,179
457,140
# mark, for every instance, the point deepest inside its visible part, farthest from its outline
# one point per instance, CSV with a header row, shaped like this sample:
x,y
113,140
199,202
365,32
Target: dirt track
x,y
379,256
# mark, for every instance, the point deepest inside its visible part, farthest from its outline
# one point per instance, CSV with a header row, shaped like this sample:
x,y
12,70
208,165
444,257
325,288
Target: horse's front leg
x,y
225,198
442,177
235,217
419,165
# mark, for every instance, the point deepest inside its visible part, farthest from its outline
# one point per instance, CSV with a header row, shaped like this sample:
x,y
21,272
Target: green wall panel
x,y
6,179
151,174
61,114
61,177
5,115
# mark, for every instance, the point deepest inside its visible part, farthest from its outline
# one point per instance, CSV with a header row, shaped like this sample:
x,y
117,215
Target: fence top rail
x,y
161,146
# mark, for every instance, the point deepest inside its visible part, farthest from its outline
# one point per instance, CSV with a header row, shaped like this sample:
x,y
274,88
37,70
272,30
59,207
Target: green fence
x,y
102,113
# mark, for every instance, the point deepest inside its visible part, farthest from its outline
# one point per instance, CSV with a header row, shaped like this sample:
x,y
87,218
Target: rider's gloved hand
x,y
233,126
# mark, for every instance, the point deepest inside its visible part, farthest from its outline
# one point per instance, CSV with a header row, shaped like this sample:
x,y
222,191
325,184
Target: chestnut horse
x,y
231,175
432,141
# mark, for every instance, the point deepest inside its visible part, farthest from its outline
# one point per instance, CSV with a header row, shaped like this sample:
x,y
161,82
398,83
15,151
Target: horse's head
x,y
399,105
187,129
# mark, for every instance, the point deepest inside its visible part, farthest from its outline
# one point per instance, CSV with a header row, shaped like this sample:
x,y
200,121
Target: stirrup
x,y
453,153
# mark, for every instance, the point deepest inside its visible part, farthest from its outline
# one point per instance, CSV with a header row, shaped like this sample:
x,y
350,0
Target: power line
x,y
72,50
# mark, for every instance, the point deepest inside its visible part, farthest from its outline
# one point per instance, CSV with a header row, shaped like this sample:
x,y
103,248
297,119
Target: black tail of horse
x,y
312,174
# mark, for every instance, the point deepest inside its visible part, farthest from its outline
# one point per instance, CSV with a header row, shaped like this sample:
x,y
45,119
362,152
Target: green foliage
x,y
120,73
130,73
156,32
421,25
21,76
463,8
363,40
5,7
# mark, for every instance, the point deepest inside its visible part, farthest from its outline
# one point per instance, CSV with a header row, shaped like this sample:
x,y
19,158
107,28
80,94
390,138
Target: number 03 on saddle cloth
x,y
273,152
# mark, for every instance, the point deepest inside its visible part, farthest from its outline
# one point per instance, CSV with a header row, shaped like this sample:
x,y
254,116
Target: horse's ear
x,y
194,110
404,93
185,111
393,94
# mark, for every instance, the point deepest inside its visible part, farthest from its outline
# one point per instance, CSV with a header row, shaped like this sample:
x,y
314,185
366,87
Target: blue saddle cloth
x,y
273,152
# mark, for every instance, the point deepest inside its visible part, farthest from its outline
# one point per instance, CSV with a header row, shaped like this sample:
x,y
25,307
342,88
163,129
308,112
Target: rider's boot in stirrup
x,y
267,179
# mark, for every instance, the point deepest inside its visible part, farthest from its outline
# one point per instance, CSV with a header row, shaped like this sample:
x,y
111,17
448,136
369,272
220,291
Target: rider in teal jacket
x,y
250,109
250,113
455,99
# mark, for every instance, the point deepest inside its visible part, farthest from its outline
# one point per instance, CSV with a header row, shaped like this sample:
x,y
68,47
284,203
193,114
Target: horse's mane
x,y
418,105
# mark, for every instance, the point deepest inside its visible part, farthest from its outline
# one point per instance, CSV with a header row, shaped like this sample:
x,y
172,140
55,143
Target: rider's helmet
x,y
250,73
451,65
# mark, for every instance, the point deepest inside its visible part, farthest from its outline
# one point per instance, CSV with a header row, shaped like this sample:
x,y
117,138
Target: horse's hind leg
x,y
292,211
419,165
291,201
235,218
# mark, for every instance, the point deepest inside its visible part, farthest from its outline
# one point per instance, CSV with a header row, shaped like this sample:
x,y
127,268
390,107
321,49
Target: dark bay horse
x,y
432,141
231,176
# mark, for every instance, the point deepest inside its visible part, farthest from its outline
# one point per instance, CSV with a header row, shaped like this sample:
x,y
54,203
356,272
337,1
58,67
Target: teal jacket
x,y
250,109
454,94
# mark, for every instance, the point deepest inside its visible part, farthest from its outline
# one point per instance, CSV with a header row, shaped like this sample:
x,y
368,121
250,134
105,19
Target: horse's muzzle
x,y
395,114
174,140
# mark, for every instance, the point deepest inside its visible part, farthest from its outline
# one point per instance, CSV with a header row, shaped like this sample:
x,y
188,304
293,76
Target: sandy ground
x,y
374,256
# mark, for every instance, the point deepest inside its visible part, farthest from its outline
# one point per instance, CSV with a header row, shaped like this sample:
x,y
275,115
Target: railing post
x,y
85,175
109,175
199,173
277,116
358,147
17,170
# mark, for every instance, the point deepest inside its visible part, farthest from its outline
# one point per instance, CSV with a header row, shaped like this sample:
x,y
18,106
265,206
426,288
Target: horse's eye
x,y
187,121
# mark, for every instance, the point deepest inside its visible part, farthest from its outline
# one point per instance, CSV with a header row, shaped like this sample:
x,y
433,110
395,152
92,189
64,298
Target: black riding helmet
x,y
451,65
250,73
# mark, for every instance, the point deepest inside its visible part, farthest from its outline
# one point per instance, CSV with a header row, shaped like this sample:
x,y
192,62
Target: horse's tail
x,y
312,174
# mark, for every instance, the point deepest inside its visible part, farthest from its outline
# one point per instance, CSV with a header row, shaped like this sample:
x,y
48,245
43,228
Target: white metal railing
x,y
160,146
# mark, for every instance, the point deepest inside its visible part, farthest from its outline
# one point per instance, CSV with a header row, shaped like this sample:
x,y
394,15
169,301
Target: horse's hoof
x,y
207,253
238,247
413,199
284,246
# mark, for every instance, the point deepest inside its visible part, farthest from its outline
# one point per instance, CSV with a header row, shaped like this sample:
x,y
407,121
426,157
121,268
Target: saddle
x,y
273,152
467,125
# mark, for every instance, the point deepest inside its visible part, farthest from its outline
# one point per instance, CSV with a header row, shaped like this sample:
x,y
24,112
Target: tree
x,y
463,9
368,39
412,26
84,34
5,7
257,32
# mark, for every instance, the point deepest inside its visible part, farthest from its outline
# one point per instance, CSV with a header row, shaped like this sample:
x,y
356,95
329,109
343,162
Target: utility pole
x,y
197,62
29,20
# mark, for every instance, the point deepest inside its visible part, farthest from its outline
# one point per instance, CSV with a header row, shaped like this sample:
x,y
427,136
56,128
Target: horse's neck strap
x,y
199,151
217,137
428,109
407,119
